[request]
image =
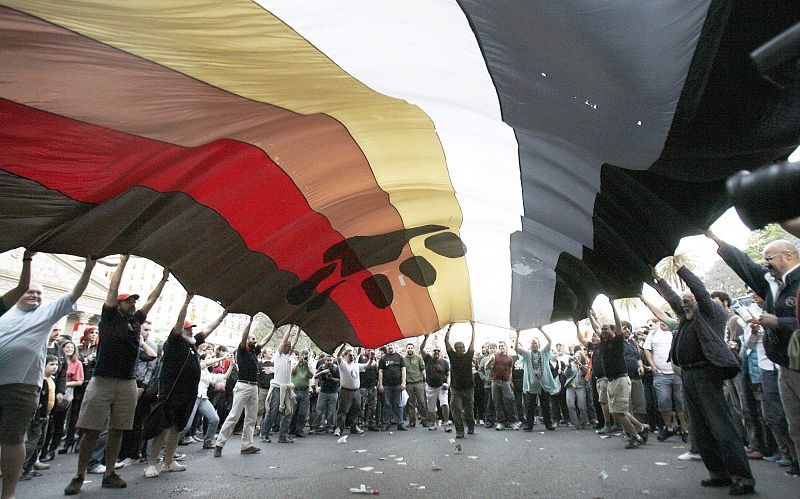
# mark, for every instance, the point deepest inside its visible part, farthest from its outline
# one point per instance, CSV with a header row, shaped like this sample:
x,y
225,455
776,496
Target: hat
x,y
187,325
126,296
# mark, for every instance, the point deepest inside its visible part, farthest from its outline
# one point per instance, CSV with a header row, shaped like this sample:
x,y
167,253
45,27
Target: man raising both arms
x,y
111,393
24,330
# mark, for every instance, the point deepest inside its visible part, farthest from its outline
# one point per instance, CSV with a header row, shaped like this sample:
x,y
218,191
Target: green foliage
x,y
720,277
760,238
666,268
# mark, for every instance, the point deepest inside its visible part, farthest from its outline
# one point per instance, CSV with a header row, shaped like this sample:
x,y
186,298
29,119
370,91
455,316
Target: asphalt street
x,y
422,463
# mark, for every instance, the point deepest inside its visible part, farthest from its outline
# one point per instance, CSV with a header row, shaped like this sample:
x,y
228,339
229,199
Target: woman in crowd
x,y
74,383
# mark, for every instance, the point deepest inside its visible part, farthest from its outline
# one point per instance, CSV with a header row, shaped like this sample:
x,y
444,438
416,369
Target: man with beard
x,y
24,330
437,380
537,381
415,381
500,364
111,393
706,360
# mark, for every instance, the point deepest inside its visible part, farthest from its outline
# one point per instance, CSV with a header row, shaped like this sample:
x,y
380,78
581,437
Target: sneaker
x,y
784,461
265,439
634,442
499,427
471,430
285,440
40,466
517,425
113,481
401,428
459,435
604,430
250,450
97,470
175,466
151,472
644,433
125,462
793,470
208,446
118,465
217,451
178,457
337,432
773,458
664,433
74,485
433,428
26,475
690,456
355,430
412,425
741,489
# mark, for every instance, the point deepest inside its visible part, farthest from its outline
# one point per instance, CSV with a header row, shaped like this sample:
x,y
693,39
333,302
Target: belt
x,y
248,382
612,378
697,365
350,389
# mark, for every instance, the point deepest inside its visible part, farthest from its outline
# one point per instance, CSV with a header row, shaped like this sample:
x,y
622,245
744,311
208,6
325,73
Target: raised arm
x,y
666,292
113,286
297,337
704,301
178,327
214,325
593,321
472,339
744,266
516,342
268,337
447,344
285,346
583,341
547,337
657,312
246,333
13,295
617,323
83,281
151,299
422,347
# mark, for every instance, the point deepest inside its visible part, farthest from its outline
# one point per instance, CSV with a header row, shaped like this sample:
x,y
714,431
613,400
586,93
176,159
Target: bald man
x,y
777,282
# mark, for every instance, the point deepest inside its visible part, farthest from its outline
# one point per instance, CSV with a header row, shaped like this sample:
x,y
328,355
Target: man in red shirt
x,y
501,365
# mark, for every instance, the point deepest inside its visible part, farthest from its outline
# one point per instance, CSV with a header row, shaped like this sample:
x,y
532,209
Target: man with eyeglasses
x,y
777,282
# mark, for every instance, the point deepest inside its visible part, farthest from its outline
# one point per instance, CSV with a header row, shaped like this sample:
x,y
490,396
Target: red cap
x,y
187,325
125,296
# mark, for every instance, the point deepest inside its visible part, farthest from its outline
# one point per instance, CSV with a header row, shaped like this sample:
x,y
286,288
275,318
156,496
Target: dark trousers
x,y
461,409
133,439
300,414
714,432
37,432
488,405
55,430
543,399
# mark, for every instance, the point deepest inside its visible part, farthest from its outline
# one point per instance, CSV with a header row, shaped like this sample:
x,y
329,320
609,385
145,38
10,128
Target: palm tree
x,y
666,268
628,304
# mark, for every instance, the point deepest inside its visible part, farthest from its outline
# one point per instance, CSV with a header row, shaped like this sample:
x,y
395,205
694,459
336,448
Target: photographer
x,y
575,383
328,379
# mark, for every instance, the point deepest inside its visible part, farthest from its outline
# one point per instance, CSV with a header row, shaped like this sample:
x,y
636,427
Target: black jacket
x,y
708,324
776,341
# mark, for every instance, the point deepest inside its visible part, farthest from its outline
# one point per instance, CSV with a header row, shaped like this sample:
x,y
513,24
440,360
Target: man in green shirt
x,y
415,375
301,374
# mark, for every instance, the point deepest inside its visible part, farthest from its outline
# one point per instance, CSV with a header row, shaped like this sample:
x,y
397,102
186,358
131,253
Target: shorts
x,y
602,390
18,403
619,394
110,398
638,402
668,392
432,394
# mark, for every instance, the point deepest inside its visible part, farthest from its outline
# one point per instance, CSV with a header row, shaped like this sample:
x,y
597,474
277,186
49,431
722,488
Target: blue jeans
x,y
203,405
392,396
772,409
712,425
577,396
283,417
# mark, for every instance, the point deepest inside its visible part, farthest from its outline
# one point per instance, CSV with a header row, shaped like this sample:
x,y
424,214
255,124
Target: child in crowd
x,y
38,428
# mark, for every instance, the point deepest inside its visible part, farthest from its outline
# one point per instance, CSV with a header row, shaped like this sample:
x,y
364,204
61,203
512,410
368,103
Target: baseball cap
x,y
187,325
126,296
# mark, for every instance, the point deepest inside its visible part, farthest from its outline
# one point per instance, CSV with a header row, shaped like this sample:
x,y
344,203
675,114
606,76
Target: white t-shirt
x,y
23,341
659,342
349,374
283,368
206,378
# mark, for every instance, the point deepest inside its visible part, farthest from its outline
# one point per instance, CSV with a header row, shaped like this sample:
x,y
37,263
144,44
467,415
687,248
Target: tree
x,y
760,238
720,277
666,269
628,304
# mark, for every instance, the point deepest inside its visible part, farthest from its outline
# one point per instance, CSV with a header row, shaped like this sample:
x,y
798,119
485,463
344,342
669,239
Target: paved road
x,y
555,464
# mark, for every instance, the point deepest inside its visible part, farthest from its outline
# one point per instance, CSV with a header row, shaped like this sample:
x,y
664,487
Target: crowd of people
x,y
727,382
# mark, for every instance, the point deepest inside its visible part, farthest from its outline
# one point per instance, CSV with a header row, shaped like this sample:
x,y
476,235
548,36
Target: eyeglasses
x,y
770,258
